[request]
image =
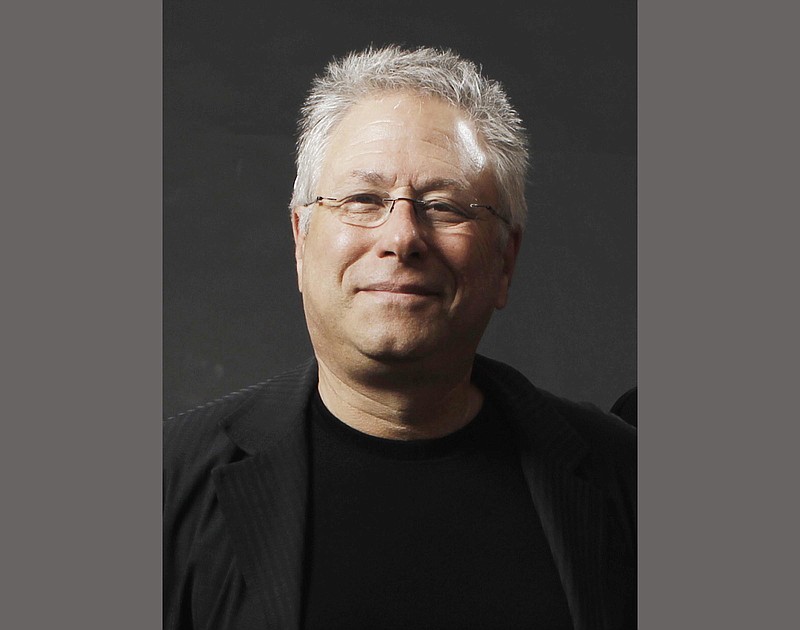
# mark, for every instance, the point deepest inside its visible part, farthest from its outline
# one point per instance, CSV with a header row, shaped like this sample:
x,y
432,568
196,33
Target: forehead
x,y
403,139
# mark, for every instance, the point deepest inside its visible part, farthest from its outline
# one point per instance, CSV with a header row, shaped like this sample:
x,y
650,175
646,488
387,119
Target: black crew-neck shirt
x,y
438,533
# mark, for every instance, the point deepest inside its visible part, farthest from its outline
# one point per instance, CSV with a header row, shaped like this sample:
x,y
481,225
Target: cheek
x,y
330,252
475,261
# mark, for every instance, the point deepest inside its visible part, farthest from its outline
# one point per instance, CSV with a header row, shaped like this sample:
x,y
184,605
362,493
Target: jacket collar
x,y
274,411
549,434
278,407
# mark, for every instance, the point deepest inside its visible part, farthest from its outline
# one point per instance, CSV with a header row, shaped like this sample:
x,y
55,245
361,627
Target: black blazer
x,y
236,492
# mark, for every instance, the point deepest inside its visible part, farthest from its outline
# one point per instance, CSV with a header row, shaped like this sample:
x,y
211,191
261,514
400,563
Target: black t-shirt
x,y
437,533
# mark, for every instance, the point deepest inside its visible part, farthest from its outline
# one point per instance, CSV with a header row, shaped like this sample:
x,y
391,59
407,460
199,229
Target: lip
x,y
400,288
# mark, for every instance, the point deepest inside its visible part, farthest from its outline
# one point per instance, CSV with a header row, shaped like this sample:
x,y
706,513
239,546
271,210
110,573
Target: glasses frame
x,y
415,202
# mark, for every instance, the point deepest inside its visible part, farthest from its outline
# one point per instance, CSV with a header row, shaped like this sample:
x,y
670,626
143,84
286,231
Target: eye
x,y
443,211
361,208
363,199
362,203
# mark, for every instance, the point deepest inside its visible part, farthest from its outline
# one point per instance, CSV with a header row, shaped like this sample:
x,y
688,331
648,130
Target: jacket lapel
x,y
264,496
571,508
573,515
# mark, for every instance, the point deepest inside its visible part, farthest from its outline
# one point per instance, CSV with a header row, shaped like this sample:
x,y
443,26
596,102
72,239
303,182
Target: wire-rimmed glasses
x,y
371,210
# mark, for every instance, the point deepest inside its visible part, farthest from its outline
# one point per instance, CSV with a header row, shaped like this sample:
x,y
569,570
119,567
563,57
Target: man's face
x,y
403,290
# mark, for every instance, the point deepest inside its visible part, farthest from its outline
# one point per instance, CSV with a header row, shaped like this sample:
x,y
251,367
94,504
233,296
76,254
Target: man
x,y
397,480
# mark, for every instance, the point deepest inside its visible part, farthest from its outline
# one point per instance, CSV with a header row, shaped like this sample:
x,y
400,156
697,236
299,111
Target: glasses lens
x,y
443,212
363,209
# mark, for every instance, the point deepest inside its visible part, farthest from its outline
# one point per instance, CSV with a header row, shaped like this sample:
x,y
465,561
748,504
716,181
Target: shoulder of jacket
x,y
195,435
599,429
590,420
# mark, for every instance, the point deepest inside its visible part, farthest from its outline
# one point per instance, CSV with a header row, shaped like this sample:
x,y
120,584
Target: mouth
x,y
400,289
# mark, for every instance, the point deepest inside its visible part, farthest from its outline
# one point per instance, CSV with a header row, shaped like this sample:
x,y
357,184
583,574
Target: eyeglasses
x,y
369,210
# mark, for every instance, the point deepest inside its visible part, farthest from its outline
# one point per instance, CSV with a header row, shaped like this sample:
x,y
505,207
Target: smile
x,y
400,289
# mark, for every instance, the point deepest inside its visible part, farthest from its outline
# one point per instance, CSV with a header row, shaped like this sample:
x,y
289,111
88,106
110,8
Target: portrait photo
x,y
399,316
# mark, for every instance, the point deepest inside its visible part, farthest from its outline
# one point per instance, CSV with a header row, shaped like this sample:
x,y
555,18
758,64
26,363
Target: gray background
x,y
235,75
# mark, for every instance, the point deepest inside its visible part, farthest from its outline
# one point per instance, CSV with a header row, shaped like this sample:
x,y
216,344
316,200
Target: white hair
x,y
428,71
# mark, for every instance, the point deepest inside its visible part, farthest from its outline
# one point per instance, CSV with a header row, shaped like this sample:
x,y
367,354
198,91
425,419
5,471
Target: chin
x,y
395,354
398,350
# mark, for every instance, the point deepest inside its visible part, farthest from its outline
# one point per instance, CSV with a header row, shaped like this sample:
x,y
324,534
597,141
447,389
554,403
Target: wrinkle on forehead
x,y
381,180
464,132
394,130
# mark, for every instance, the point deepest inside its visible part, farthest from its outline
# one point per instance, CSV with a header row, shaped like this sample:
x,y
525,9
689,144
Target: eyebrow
x,y
438,183
369,177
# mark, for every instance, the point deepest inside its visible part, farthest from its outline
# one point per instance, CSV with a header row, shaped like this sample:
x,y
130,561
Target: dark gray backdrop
x,y
235,74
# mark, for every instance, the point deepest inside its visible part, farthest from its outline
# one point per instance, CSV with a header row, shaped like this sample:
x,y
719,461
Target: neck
x,y
404,404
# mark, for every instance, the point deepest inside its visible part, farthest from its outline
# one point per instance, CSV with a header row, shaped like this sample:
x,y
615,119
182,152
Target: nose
x,y
402,235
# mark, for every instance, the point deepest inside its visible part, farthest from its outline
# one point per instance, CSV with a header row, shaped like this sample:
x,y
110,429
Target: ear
x,y
509,253
299,246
